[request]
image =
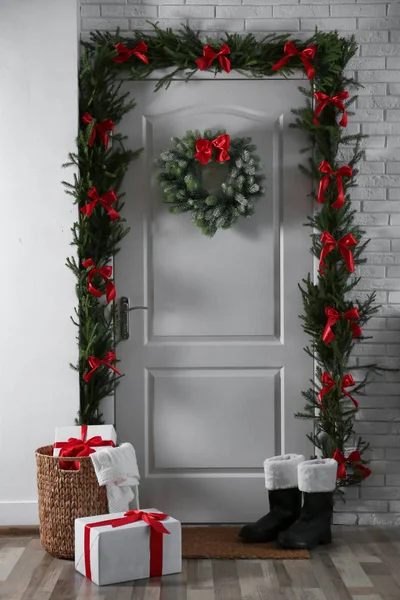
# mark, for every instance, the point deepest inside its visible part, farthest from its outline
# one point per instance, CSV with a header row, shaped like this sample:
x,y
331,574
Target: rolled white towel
x,y
116,466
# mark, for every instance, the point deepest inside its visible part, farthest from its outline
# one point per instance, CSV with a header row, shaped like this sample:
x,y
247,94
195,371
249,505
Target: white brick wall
x,y
376,25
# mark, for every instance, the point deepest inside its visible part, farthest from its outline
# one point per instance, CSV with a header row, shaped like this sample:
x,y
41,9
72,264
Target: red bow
x,y
305,55
95,363
334,316
324,99
209,55
343,245
330,383
345,171
101,129
125,53
204,149
105,273
365,472
353,457
152,519
78,447
104,200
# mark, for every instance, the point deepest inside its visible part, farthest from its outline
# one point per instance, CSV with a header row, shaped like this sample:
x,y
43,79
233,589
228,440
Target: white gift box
x,y
106,432
107,554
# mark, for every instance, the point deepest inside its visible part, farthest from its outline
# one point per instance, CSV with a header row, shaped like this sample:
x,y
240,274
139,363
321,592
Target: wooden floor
x,y
361,564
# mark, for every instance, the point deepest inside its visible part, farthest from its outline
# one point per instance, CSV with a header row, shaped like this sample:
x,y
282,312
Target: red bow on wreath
x,y
345,171
334,316
343,245
105,273
305,55
124,53
204,149
104,200
324,99
353,457
330,383
95,363
209,55
101,129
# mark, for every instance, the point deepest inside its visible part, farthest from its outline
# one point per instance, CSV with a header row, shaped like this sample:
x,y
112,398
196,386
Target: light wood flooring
x,y
362,563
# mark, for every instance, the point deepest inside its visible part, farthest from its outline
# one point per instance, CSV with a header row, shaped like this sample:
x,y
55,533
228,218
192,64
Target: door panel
x,y
214,368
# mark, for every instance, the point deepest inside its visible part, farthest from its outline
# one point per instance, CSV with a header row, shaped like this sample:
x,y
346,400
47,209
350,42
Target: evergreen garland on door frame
x,y
97,234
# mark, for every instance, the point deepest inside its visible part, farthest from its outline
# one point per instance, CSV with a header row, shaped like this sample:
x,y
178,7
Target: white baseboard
x,y
18,513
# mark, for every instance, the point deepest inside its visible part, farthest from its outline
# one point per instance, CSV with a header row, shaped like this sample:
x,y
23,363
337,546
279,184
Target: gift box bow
x,y
75,447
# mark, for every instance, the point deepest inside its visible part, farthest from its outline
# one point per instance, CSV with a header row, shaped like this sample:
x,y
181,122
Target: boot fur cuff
x,y
318,475
281,471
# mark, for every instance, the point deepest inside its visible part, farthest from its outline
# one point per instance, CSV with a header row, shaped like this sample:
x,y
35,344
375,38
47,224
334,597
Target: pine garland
x,y
98,232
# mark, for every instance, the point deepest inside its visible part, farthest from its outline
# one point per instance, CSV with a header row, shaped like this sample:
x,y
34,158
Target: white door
x,y
214,368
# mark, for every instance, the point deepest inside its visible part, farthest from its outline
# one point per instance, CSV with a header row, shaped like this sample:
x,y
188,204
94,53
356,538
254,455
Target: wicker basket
x,y
63,497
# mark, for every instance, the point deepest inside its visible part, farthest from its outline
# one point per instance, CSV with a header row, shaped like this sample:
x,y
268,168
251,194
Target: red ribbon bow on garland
x,y
209,55
345,171
334,316
105,273
365,472
95,363
353,457
343,245
101,129
124,53
157,530
204,149
104,200
324,99
305,55
330,383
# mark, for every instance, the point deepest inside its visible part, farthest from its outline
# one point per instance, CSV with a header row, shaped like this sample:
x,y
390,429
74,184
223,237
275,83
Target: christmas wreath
x,y
181,178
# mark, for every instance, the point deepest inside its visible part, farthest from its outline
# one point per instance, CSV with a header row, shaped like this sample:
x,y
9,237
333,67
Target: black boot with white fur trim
x,y
284,499
317,481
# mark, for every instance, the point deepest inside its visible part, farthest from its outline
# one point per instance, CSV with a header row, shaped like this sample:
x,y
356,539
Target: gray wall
x,y
377,29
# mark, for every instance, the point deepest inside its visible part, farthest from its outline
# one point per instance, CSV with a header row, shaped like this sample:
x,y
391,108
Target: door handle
x,y
124,310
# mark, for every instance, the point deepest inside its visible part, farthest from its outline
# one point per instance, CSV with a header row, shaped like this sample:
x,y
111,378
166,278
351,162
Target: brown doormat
x,y
223,542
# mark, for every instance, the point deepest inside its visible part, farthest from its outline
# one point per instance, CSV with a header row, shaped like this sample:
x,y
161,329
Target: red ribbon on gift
x,y
124,53
324,99
330,383
343,244
204,149
157,530
345,171
79,450
353,457
105,273
101,129
79,447
209,55
104,200
305,56
95,363
334,316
